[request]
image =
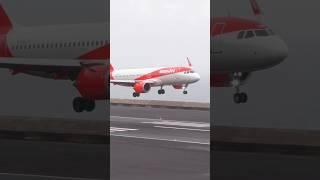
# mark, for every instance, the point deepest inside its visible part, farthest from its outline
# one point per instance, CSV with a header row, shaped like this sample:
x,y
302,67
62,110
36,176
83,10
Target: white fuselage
x,y
158,76
58,42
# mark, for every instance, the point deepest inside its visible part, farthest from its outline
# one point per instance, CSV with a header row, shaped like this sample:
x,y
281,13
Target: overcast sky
x,y
286,96
161,33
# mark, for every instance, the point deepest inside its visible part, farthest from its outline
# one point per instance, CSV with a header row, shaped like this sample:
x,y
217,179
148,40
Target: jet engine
x,y
142,87
92,82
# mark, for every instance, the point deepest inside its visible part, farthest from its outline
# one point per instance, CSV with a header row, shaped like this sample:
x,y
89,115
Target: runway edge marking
x,y
162,139
180,128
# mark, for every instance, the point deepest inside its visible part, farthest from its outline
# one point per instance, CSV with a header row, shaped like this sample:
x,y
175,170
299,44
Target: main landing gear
x,y
161,91
80,104
135,94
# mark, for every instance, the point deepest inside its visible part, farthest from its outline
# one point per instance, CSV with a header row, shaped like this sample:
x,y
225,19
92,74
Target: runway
x,y
156,143
146,143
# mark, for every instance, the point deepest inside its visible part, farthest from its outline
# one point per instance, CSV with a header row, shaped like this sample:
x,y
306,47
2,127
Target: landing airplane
x,y
143,79
241,46
76,52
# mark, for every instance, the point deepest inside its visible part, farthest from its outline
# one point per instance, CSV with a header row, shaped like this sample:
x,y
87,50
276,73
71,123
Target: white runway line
x,y
116,129
179,123
163,139
42,176
179,128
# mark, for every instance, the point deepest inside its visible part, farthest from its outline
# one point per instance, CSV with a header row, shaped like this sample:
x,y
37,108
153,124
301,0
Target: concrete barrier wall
x,y
161,104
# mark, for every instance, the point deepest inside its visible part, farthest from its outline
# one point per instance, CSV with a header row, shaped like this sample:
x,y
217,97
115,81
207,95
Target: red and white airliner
x,y
77,52
241,46
143,79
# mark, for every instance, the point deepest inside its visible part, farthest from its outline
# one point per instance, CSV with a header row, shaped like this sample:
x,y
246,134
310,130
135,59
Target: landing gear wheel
x,y
243,97
161,91
78,104
89,105
240,98
237,98
135,94
185,92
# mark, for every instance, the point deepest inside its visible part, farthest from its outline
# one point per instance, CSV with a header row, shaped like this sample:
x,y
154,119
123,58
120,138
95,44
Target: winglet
x,y
256,8
5,22
189,62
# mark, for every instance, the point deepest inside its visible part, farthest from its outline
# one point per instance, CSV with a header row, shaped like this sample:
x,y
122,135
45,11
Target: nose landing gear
x,y
185,89
238,97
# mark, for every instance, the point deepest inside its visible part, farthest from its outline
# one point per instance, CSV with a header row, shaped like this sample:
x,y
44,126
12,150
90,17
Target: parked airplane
x,y
241,46
77,52
143,79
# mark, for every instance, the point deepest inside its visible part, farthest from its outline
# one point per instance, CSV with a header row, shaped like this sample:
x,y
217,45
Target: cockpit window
x,y
249,34
252,33
240,35
261,33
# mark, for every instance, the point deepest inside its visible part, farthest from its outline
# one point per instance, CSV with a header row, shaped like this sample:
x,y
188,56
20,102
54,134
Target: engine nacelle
x,y
142,87
92,82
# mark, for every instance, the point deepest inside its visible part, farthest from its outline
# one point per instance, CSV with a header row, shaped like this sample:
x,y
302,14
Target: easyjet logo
x,y
167,71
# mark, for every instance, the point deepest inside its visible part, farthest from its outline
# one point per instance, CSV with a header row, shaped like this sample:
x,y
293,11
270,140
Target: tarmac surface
x,y
146,143
157,143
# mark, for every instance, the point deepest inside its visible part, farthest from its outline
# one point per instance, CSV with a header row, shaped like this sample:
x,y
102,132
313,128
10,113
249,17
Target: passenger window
x,y
249,34
240,35
261,33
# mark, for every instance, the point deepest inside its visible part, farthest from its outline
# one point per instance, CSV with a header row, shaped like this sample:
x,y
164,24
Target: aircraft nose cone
x,y
196,77
280,51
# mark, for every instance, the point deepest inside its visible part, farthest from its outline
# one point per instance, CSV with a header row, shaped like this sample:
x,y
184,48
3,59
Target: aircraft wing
x,y
129,82
48,68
